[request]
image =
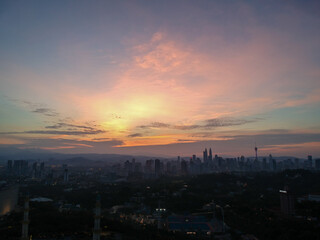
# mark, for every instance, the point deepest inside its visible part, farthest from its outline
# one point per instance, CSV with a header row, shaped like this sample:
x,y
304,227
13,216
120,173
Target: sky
x,y
162,78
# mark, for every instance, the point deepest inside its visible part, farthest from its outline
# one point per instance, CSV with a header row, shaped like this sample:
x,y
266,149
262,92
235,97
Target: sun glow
x,y
118,126
187,85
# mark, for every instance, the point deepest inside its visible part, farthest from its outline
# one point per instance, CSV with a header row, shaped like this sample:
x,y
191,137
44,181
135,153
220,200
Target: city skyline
x,y
161,78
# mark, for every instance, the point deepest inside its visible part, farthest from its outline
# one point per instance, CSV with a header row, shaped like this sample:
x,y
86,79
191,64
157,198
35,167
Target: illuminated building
x,y
287,201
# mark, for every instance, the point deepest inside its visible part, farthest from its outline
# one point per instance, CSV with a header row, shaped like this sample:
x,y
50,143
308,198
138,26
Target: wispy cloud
x,y
155,125
135,135
35,107
209,123
63,145
227,122
60,125
57,132
185,140
46,111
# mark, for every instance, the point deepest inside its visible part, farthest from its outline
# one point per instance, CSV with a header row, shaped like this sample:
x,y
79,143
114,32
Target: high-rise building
x,y
41,172
297,163
270,162
25,222
127,167
210,155
274,165
309,161
264,164
256,151
148,166
20,167
97,217
317,164
9,166
184,167
286,201
65,173
205,156
157,167
66,176
35,170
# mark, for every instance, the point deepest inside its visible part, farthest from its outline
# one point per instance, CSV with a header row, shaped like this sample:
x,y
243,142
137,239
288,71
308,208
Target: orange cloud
x,y
167,79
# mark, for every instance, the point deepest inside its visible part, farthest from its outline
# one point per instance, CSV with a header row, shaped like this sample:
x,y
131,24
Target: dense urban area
x,y
184,198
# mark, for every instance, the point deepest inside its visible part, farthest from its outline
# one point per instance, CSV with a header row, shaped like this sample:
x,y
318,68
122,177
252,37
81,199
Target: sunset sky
x,y
162,78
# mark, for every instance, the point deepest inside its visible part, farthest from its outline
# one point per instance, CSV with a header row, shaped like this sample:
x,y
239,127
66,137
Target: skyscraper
x,y
205,156
97,217
25,222
65,173
256,150
184,167
271,165
210,155
157,167
317,164
310,165
9,166
286,201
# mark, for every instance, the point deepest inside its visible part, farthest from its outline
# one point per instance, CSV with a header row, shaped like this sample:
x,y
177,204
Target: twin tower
x,y
207,158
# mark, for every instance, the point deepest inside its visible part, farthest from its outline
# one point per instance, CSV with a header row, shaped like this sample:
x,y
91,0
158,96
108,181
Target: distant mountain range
x,y
14,153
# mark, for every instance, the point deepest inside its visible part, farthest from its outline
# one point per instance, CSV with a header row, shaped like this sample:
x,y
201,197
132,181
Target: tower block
x,y
25,222
97,217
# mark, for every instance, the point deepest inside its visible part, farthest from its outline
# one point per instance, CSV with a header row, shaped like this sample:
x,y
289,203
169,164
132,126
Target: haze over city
x,y
160,78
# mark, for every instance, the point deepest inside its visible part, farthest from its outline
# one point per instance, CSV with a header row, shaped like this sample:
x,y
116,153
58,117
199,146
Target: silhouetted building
x,y
20,167
127,167
148,166
157,167
210,155
65,174
297,163
35,170
205,156
184,167
317,164
256,150
97,217
264,164
41,169
309,161
9,166
287,201
25,222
